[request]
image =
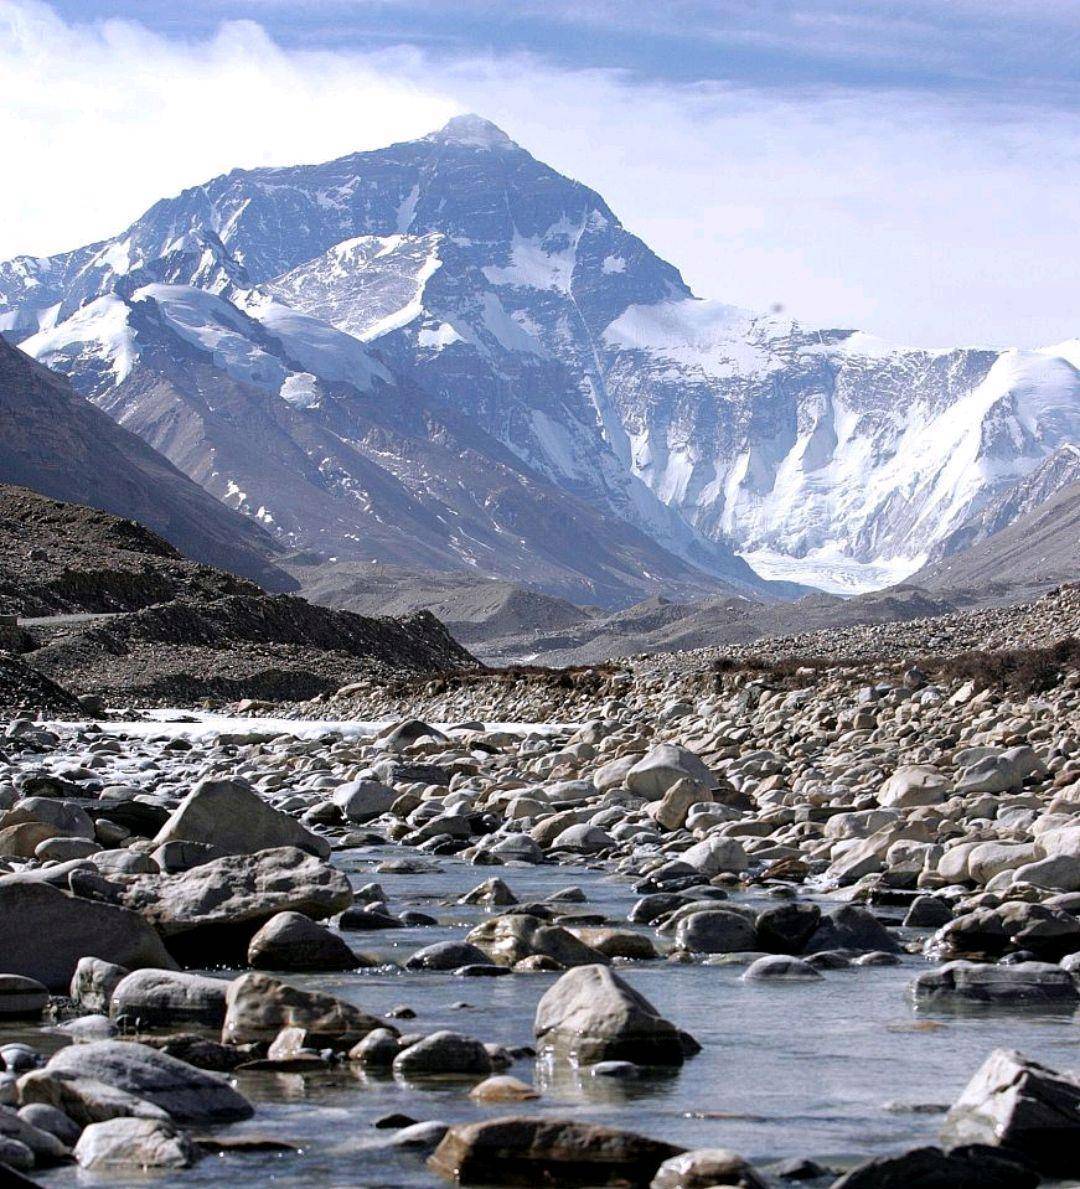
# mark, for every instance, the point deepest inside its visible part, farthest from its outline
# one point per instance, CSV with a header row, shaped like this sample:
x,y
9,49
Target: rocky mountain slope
x,y
445,354
1040,548
59,558
57,443
107,608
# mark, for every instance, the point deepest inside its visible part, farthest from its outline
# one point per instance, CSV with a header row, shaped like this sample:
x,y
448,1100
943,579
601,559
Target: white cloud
x,y
923,219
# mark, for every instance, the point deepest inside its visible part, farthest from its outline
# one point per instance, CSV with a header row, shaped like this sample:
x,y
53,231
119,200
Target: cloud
x,y
926,218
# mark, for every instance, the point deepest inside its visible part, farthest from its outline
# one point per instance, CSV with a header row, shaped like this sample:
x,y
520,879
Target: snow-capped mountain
x,y
354,352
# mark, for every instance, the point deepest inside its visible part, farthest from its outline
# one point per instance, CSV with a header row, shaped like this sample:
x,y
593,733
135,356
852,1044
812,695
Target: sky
x,y
908,167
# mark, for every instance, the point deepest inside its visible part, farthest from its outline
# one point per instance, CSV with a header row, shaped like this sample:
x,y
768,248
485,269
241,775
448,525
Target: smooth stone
x,y
534,1151
780,968
21,997
229,814
188,1094
292,941
590,1014
443,1052
164,998
134,1144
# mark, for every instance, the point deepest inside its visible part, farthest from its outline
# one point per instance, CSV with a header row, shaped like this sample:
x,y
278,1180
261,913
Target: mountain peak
x,y
472,131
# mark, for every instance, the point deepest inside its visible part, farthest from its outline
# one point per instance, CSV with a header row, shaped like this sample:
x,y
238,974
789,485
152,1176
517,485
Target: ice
x,y
101,327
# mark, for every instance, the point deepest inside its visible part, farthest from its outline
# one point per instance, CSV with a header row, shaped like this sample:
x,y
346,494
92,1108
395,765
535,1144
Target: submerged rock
x,y
530,1151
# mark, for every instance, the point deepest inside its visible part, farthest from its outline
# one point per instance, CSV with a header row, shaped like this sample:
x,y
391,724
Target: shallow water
x,y
829,1070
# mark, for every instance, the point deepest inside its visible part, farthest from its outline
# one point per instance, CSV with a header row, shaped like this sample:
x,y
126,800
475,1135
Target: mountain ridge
x,y
481,278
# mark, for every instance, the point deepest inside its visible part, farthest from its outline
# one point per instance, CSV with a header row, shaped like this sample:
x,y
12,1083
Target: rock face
x,y
56,443
258,1007
30,913
573,360
188,1094
1023,1107
229,814
592,1015
526,1151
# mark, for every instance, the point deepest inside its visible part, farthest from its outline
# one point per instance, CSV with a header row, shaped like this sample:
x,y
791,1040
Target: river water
x,y
835,1070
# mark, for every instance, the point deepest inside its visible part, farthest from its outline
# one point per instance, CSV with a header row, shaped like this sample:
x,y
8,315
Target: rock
x,y
591,1015
182,855
503,1088
188,1094
491,892
15,1157
258,1007
507,940
969,983
291,941
377,1050
583,839
705,1167
999,771
424,1136
1059,873
165,998
44,1146
671,810
362,800
531,1151
931,1168
787,928
30,912
715,855
48,1118
909,787
1022,1107
716,931
211,912
21,841
664,766
84,1100
93,983
21,997
446,955
443,1052
83,1029
134,1144
229,814
69,818
780,968
850,927
927,912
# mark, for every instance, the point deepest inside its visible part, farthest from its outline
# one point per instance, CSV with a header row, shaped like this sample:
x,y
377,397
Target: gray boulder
x,y
443,1053
592,1015
134,1144
663,766
1027,984
716,931
166,998
229,814
362,800
292,941
187,1094
93,983
1023,1107
258,1007
44,933
534,1151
